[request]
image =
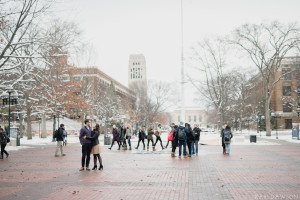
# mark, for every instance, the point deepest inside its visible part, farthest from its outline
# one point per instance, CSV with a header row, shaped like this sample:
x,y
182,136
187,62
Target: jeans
x,y
189,144
149,142
86,153
139,143
129,140
182,142
227,148
64,140
59,146
195,147
3,150
158,139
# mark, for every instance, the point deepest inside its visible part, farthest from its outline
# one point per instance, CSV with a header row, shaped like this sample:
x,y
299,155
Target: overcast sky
x,y
118,28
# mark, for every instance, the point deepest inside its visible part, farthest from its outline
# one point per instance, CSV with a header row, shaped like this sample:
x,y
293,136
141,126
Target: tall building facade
x,y
137,73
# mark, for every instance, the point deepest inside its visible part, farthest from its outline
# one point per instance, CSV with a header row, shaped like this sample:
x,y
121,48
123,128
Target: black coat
x,y
94,137
3,138
197,132
222,135
175,142
142,135
190,135
60,134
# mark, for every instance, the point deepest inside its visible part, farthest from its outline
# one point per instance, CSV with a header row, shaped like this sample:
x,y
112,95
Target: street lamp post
x,y
39,118
259,118
275,117
9,97
298,112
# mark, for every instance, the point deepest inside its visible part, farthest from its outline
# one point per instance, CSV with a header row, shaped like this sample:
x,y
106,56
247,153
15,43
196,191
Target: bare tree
x,y
267,45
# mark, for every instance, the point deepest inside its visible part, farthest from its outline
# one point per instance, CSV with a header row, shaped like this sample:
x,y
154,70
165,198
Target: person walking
x,y
129,135
181,131
190,138
150,133
142,136
172,130
59,135
158,136
222,136
227,135
195,144
3,142
115,137
96,146
86,145
123,137
174,142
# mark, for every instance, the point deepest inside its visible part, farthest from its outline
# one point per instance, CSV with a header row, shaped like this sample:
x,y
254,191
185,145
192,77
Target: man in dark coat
x,y
3,142
86,145
59,138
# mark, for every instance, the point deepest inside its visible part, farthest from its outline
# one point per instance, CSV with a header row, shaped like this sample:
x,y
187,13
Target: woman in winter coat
x,y
128,135
142,136
96,146
115,137
175,141
3,142
190,138
227,136
150,138
123,136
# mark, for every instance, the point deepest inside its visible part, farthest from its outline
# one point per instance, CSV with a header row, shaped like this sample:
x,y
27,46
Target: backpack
x,y
171,137
227,134
55,134
181,134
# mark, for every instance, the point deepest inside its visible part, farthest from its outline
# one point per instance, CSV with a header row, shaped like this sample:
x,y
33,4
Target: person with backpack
x,y
195,145
181,131
174,142
59,134
150,134
227,135
115,138
190,138
3,141
158,136
172,131
96,146
142,136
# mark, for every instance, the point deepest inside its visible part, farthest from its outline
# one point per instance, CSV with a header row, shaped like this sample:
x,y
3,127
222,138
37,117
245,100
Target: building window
x,y
190,118
287,90
287,107
286,73
298,91
195,118
288,123
77,78
178,118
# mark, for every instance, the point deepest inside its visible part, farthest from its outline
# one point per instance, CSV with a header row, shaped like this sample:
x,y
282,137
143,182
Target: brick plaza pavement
x,y
250,172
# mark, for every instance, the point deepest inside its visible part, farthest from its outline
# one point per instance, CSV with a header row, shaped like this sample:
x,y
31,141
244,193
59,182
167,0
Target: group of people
x,y
120,136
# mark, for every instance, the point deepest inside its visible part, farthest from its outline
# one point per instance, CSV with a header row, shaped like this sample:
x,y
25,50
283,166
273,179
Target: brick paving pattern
x,y
250,172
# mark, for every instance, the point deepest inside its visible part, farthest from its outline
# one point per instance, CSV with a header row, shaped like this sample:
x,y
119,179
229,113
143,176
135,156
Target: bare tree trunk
x,y
29,130
22,127
44,130
267,114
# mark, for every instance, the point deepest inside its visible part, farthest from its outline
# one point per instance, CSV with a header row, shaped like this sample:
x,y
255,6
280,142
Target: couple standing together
x,y
90,145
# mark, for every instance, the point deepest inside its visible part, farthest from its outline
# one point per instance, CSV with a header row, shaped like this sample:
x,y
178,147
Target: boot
x,y
95,167
130,148
147,148
224,152
136,147
101,167
173,155
153,147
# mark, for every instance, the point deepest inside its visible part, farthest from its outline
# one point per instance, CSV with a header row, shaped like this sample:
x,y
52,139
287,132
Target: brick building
x,y
285,98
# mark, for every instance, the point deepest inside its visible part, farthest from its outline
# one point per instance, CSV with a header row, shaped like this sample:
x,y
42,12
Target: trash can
x,y
107,140
253,138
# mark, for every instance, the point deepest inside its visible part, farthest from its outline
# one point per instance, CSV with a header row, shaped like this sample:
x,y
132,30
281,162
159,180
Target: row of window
x,y
287,74
136,63
190,118
136,73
